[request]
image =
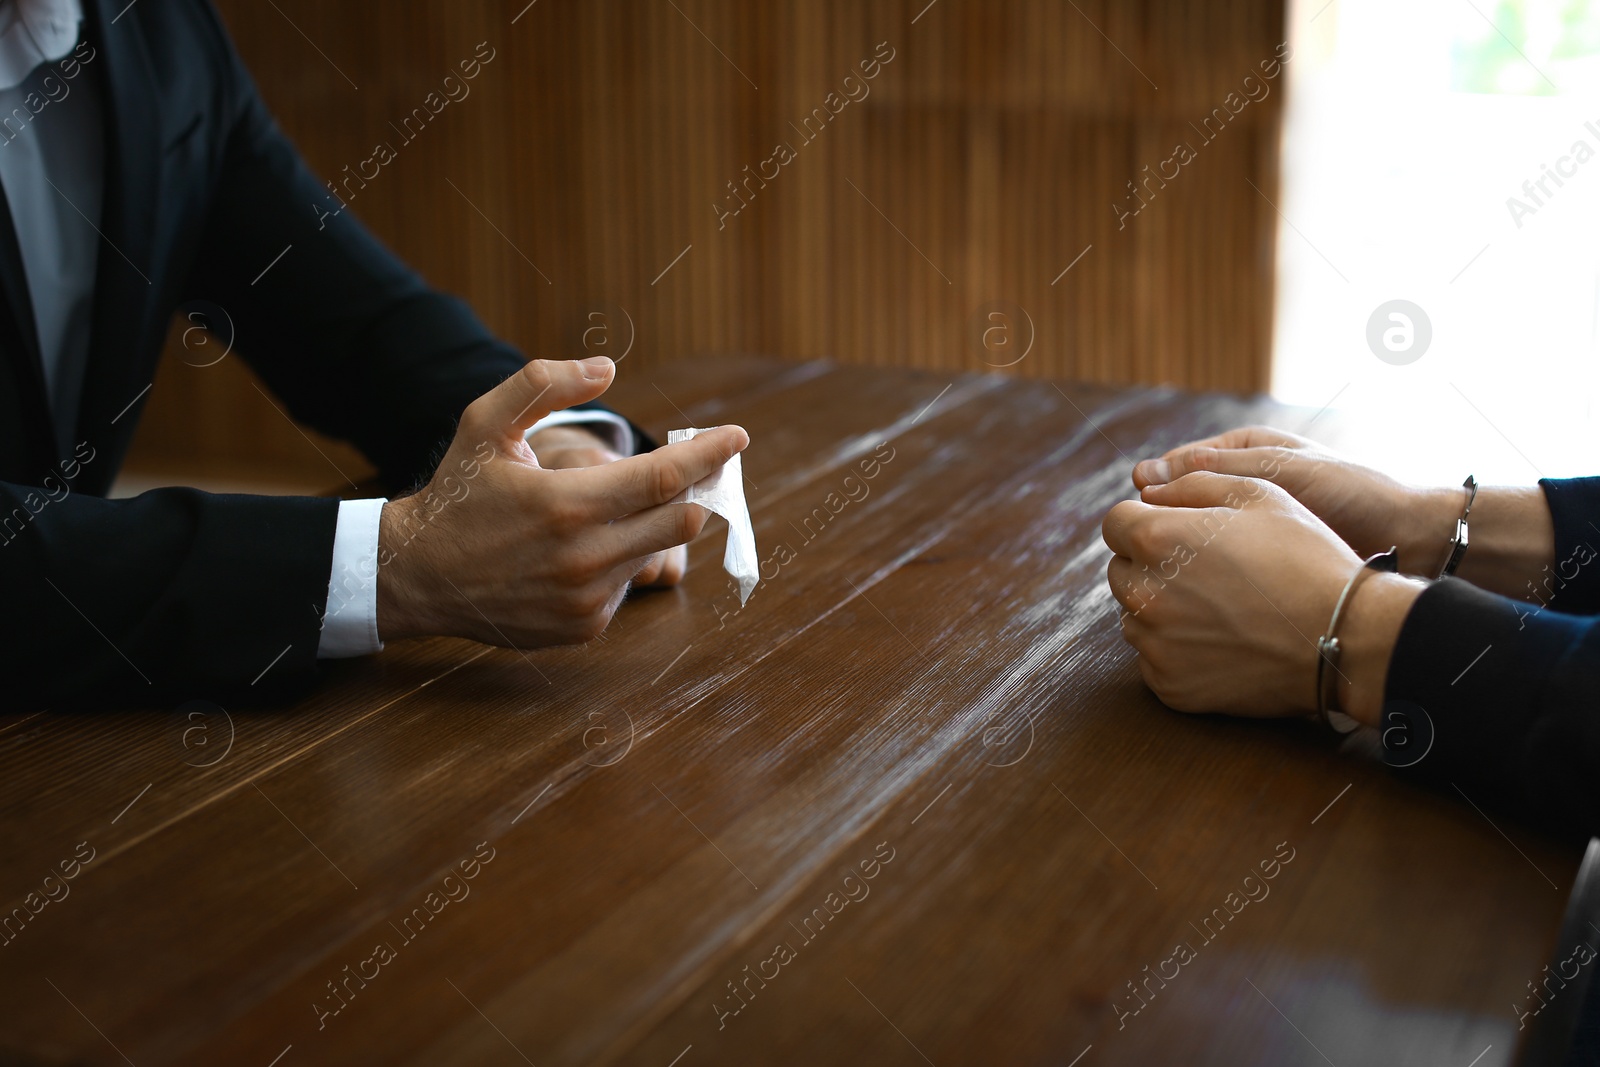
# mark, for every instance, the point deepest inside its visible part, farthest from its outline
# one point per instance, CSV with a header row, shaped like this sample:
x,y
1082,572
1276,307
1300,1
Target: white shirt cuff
x,y
350,621
607,424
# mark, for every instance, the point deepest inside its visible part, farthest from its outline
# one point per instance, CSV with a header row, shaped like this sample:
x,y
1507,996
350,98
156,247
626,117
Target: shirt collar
x,y
33,32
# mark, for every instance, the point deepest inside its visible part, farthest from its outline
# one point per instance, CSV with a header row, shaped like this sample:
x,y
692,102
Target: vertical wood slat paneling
x,y
994,145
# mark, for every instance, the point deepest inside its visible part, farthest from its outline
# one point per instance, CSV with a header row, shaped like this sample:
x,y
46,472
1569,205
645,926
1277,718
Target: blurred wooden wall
x,y
593,149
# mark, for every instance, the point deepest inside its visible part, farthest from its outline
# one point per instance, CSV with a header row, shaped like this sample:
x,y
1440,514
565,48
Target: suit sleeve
x,y
1573,585
179,594
173,595
355,343
1508,687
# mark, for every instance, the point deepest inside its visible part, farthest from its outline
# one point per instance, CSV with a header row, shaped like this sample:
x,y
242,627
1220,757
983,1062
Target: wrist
x,y
402,591
1430,522
1367,635
1513,541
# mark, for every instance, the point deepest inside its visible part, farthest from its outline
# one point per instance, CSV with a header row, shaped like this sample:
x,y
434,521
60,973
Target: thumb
x,y
1206,489
505,412
1261,462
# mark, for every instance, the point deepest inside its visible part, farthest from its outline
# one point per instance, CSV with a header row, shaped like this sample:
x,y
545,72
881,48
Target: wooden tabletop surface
x,y
912,804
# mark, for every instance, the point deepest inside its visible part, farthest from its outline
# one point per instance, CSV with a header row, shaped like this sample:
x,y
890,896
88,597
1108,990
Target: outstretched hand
x,y
500,549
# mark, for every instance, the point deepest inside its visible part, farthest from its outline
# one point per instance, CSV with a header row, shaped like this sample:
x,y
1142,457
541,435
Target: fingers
x,y
1139,634
1119,576
1175,463
653,530
1261,462
1147,532
1206,489
1117,528
636,484
1136,632
572,457
1253,437
503,413
664,569
650,572
674,566
1135,584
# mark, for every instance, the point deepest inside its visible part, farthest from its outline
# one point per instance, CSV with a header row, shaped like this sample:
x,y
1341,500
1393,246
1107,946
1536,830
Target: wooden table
x,y
912,803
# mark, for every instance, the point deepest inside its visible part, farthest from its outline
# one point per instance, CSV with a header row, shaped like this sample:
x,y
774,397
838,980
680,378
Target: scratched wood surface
x,y
911,804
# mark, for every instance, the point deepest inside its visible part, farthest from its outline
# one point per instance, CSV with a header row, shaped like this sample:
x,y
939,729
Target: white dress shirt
x,y
52,167
54,185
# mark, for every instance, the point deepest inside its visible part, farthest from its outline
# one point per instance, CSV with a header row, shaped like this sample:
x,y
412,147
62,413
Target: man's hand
x,y
499,549
1227,583
568,447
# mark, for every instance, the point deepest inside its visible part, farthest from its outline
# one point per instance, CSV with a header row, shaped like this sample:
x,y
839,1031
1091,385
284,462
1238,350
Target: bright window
x,y
1445,153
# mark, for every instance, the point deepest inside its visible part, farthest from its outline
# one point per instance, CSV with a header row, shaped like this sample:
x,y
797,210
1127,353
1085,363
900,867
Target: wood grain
x,y
934,674
986,157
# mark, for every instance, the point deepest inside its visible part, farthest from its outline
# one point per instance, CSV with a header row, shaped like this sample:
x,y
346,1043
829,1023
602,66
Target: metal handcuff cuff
x,y
1328,646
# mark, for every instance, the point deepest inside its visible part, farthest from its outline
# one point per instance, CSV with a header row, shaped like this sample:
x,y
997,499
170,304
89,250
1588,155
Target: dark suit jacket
x,y
180,594
1499,699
